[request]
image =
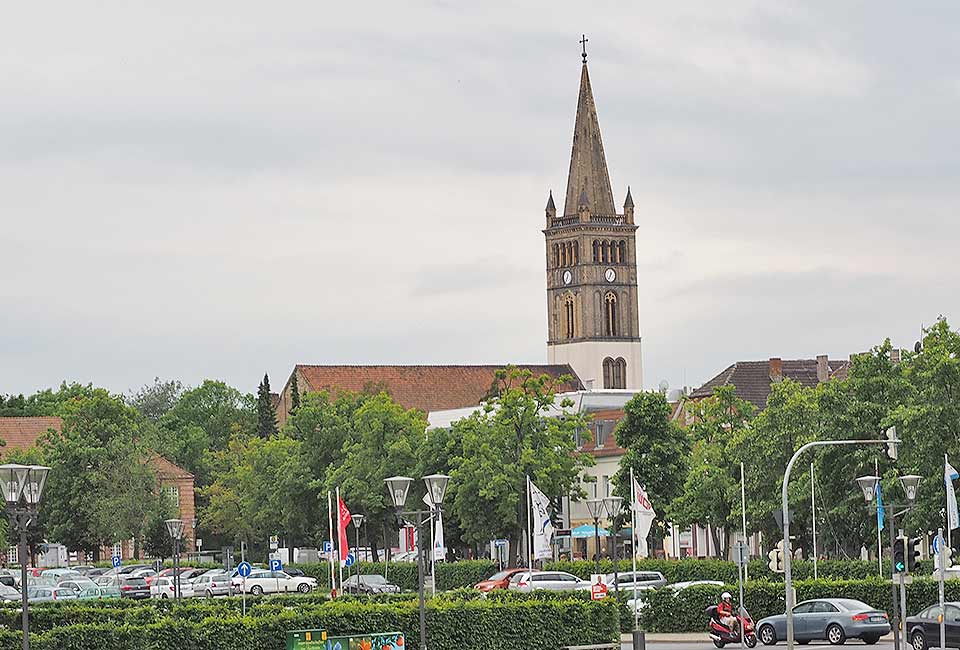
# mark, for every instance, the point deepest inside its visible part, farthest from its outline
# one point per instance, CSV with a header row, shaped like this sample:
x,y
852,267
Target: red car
x,y
498,580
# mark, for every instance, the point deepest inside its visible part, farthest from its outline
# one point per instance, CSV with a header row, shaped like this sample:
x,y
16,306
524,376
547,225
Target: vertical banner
x,y
645,516
344,523
542,526
949,476
439,547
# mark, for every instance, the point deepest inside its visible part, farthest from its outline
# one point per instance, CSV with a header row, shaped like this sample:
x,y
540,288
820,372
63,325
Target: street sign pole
x,y
244,569
941,574
741,555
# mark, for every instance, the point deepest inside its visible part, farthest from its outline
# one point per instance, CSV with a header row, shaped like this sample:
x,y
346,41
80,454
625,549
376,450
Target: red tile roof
x,y
427,388
22,433
752,378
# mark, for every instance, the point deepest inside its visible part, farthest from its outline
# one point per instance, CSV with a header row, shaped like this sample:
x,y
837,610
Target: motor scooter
x,y
721,635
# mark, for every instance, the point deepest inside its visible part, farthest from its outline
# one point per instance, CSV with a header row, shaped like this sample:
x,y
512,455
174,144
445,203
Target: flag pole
x,y
743,516
529,527
876,470
635,544
339,537
813,516
433,550
333,582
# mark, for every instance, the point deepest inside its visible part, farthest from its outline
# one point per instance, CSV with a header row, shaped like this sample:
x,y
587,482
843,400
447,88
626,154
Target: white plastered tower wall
x,y
586,358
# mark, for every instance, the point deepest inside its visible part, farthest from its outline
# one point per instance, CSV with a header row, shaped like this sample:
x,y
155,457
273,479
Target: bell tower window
x,y
610,314
569,322
614,373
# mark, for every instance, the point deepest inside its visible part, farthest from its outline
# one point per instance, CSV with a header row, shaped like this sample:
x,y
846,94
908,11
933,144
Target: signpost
x,y
741,555
115,561
244,570
274,542
275,567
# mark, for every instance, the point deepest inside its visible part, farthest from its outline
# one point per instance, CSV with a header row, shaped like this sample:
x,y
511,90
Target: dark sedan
x,y
923,630
833,619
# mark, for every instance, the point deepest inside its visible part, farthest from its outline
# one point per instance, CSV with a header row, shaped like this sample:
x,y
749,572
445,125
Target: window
x,y
12,554
823,607
622,251
576,252
596,251
568,318
578,439
803,608
556,255
610,319
173,492
602,433
117,549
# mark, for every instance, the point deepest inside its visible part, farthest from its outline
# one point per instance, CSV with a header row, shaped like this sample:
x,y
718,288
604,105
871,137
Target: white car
x,y
273,582
549,580
164,588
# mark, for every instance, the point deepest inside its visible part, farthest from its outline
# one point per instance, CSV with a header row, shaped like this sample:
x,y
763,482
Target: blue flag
x,y
879,507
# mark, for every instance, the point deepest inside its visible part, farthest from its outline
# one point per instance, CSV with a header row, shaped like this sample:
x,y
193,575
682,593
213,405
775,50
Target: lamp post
x,y
910,484
595,508
399,488
22,486
614,507
357,522
175,528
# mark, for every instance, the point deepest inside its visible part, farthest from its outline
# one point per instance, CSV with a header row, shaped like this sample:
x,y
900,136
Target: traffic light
x,y
946,552
892,447
899,555
913,553
776,558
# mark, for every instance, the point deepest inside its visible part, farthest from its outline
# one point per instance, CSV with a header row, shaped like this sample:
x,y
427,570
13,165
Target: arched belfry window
x,y
596,251
569,320
556,255
622,252
610,315
614,373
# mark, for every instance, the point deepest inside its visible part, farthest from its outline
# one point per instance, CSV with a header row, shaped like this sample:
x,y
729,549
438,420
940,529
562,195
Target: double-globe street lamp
x,y
910,484
22,486
399,488
175,528
612,507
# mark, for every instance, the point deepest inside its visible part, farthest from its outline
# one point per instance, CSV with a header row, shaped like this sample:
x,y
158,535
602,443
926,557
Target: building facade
x,y
591,266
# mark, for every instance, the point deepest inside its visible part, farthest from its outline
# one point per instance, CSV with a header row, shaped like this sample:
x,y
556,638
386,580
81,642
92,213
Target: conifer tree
x,y
266,418
294,393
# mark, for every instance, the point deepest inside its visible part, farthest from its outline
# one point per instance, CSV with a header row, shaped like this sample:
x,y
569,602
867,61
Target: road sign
x,y
351,560
741,554
244,569
276,565
598,588
327,546
274,542
198,542
499,543
115,561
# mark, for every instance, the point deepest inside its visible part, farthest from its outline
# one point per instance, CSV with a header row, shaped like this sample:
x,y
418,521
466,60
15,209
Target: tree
x,y
711,491
656,448
153,401
512,437
45,402
294,393
156,538
266,416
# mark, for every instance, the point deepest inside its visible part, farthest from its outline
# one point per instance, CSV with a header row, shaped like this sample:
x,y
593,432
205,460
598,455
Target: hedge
x,y
452,623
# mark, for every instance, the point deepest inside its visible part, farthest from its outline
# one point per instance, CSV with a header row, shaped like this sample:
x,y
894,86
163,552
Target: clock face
x,y
610,275
567,277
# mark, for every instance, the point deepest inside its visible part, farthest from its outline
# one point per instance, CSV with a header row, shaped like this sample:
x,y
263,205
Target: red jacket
x,y
724,609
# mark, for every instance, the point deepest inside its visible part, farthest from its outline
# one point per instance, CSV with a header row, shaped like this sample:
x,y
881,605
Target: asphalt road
x,y
884,644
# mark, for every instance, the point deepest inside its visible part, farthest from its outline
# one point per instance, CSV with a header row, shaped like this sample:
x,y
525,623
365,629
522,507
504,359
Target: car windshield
x,y
852,605
500,575
374,580
517,577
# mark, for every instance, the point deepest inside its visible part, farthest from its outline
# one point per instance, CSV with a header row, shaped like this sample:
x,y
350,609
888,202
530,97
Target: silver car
x,y
833,619
643,579
212,584
549,580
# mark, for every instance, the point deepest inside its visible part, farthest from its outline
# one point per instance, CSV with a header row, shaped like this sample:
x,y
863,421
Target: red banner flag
x,y
343,522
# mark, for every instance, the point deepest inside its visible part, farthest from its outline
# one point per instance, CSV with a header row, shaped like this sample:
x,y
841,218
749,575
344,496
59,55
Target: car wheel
x,y
209,594
768,636
303,588
164,596
836,635
871,640
256,590
918,641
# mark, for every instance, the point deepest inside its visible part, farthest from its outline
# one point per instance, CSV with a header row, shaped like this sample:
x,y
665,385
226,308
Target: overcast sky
x,y
219,189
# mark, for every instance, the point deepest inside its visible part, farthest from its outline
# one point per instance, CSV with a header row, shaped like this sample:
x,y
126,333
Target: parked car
x,y
130,568
77,584
8,580
271,582
49,594
163,587
294,571
950,573
133,587
923,630
642,579
58,575
107,580
499,580
8,593
550,580
99,571
213,583
99,593
833,619
148,575
369,584
83,569
192,574
677,587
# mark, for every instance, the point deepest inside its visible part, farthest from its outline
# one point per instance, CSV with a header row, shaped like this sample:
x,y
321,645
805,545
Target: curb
x,y
688,637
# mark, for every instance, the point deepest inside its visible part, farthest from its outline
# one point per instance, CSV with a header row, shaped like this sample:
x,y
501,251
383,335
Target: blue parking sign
x,y
115,560
276,565
327,546
244,569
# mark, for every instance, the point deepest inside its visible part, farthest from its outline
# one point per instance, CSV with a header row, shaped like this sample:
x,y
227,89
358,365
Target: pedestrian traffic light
x,y
946,552
913,553
776,558
899,555
892,446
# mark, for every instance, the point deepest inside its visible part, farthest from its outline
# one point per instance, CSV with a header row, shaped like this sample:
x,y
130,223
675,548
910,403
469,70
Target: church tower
x,y
593,322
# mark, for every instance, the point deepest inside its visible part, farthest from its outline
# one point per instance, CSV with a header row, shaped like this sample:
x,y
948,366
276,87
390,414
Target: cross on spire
x,y
583,41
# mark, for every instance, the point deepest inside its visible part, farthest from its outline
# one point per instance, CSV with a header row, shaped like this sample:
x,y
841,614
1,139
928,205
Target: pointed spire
x,y
588,165
628,203
550,204
583,201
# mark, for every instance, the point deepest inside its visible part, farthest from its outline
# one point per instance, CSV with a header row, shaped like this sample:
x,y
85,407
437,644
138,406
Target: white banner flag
x,y
542,526
949,476
439,548
645,516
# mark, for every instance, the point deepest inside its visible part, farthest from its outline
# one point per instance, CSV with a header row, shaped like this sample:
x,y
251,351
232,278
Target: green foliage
x,y
266,416
294,393
155,400
504,443
46,402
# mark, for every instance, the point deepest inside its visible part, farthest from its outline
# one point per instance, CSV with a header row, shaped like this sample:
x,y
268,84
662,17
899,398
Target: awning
x,y
587,531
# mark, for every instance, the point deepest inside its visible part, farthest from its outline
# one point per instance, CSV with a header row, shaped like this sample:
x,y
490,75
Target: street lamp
x,y
399,488
614,507
910,484
22,487
175,528
595,508
357,522
869,486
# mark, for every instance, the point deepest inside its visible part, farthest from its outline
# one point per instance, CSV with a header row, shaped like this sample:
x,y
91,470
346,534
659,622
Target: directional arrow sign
x,y
244,569
351,559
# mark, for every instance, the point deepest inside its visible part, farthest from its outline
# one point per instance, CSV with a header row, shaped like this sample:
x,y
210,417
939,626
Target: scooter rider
x,y
725,611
